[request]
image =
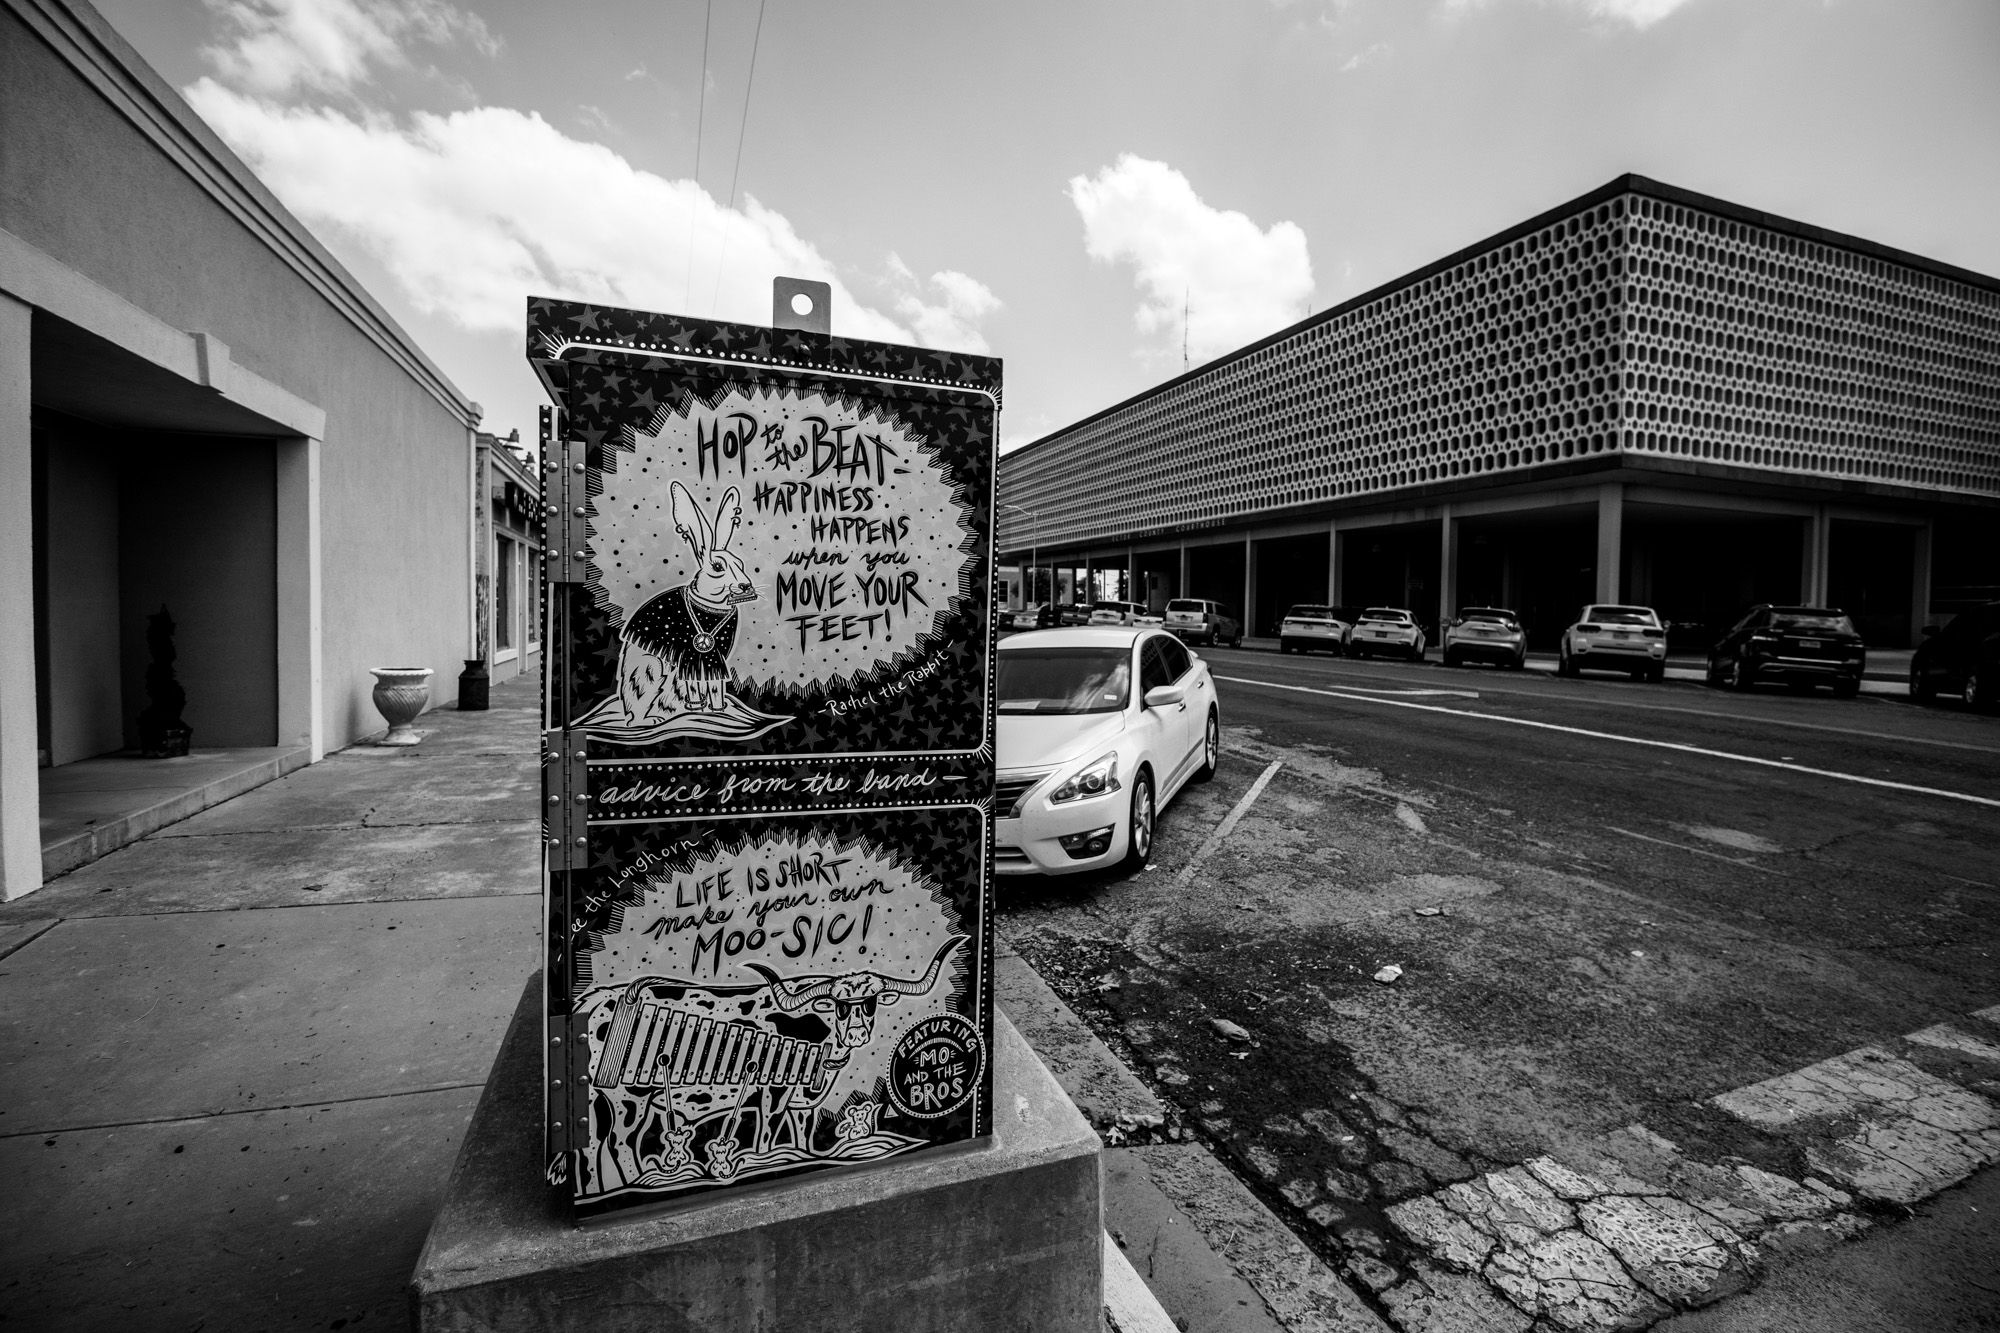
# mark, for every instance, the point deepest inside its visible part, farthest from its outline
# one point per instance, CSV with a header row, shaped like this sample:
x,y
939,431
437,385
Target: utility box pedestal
x,y
1004,1232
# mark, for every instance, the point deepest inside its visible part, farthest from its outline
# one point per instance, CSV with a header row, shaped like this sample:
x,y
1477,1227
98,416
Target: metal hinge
x,y
565,495
566,799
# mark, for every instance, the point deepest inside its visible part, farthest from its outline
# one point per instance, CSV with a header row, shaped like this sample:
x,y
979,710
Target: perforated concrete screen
x,y
1632,323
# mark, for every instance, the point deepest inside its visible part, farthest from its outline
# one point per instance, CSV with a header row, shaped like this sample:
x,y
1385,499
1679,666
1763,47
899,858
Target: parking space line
x,y
1698,851
1228,823
1987,801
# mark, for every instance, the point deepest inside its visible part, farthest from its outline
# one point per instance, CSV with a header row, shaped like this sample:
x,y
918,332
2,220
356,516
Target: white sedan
x,y
1386,629
1098,728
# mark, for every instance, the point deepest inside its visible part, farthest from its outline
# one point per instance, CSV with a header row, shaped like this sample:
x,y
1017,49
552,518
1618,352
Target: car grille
x,y
1009,788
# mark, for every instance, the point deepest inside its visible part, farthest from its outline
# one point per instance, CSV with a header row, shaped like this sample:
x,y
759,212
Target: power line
x,y
741,127
700,120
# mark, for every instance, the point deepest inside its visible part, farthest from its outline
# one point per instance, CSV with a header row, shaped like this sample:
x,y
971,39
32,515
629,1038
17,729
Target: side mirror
x,y
1927,631
1162,696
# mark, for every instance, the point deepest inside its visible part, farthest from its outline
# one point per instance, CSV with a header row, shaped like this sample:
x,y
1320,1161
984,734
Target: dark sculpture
x,y
162,734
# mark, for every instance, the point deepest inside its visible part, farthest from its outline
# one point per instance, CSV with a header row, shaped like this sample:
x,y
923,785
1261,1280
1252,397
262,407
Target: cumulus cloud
x,y
280,47
470,212
945,310
1237,281
1636,13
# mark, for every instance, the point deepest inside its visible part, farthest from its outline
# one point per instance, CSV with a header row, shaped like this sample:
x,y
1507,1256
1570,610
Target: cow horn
x,y
789,1000
929,978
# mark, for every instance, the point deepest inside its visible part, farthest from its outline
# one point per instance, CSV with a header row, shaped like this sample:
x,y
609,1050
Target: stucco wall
x,y
80,182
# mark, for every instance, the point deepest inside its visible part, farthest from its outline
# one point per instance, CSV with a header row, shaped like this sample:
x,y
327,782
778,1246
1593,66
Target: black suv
x,y
1799,645
1963,659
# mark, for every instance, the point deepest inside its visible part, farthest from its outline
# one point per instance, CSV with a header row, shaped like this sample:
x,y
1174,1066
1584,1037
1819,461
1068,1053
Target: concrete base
x,y
1003,1234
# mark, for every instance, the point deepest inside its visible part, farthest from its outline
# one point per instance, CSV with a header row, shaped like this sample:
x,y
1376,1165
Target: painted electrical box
x,y
768,751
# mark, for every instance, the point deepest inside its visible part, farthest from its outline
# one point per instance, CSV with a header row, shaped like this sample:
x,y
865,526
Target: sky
x,y
1099,193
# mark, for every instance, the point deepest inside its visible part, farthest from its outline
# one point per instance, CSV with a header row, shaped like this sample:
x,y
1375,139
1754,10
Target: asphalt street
x,y
1610,901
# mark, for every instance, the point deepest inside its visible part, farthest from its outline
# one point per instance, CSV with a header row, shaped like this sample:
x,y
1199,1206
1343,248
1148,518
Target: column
x,y
1133,592
1447,569
1247,613
1812,568
1610,539
1184,588
20,795
1333,564
1920,584
301,693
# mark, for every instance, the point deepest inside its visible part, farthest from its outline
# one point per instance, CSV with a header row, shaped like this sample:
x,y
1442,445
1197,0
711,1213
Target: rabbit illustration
x,y
675,651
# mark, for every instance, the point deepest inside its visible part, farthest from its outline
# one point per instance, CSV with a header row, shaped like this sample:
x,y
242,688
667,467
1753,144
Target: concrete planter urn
x,y
400,694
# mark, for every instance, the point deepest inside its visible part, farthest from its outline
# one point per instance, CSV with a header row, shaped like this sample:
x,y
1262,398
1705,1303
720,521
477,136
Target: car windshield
x,y
1819,622
1385,613
1311,613
1484,615
1183,604
1064,680
1620,615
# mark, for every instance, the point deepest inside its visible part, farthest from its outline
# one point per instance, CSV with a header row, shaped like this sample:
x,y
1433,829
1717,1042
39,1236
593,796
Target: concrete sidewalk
x,y
240,1052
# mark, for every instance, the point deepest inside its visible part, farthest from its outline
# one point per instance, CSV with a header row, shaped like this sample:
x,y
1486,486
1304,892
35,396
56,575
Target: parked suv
x,y
1309,626
1196,620
1799,645
1962,659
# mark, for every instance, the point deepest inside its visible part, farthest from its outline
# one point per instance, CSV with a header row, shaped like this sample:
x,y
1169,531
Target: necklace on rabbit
x,y
705,639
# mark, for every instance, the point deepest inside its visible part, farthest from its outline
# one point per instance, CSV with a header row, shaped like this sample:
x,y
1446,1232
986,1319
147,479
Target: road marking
x,y
1629,740
1596,701
1717,856
1228,823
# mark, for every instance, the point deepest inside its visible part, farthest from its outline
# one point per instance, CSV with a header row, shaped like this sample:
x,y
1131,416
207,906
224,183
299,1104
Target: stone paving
x,y
1623,1233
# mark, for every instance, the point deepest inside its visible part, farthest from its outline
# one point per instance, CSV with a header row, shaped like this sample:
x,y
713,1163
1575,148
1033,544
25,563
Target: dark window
x,y
1178,664
1153,670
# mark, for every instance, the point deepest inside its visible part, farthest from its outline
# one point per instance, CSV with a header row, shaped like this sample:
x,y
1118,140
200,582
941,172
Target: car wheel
x,y
1657,675
1211,749
1139,829
1714,675
1565,664
1846,689
1448,659
1976,694
1741,677
1921,689
1520,662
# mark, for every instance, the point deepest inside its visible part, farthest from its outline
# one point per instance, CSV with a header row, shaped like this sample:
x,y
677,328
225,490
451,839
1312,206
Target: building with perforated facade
x,y
1643,395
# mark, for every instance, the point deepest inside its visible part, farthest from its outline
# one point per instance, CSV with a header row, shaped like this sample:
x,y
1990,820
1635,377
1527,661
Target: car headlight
x,y
1094,779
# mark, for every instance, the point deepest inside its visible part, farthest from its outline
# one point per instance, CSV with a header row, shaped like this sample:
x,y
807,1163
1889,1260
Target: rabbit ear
x,y
727,515
691,522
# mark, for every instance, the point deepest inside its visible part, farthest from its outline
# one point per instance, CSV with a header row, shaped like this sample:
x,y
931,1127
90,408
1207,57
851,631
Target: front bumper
x,y
1031,844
